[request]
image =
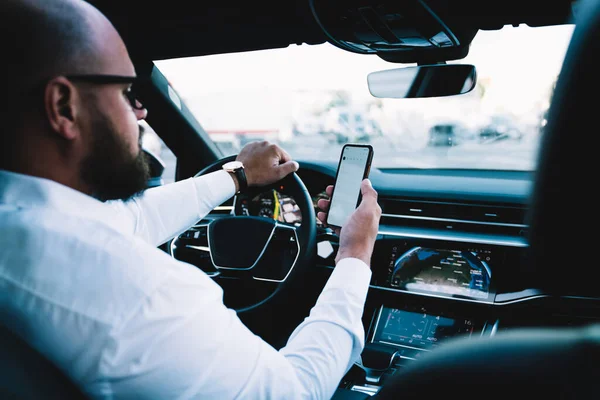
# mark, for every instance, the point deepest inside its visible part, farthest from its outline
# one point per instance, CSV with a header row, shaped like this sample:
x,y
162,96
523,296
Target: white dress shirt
x,y
84,283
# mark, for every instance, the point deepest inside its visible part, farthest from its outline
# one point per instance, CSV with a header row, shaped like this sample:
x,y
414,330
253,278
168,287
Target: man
x,y
81,279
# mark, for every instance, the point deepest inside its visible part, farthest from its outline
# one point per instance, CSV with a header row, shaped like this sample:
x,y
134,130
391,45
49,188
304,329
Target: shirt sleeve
x,y
163,212
183,343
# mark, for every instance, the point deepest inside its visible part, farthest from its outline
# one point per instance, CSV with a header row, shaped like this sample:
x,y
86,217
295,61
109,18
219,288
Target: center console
x,y
415,332
430,291
398,337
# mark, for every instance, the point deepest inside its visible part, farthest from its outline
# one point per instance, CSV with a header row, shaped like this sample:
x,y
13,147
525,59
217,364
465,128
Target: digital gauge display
x,y
271,204
454,272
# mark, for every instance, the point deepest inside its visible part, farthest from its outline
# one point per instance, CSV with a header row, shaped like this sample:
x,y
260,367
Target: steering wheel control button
x,y
192,247
197,236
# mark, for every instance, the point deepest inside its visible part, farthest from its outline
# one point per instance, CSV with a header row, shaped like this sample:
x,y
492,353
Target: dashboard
x,y
410,265
275,204
450,260
436,254
444,234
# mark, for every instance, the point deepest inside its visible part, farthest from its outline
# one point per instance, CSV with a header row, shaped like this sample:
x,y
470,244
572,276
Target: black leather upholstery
x,y
564,207
25,374
522,364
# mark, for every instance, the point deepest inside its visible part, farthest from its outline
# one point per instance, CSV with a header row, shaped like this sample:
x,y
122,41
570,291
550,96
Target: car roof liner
x,y
187,29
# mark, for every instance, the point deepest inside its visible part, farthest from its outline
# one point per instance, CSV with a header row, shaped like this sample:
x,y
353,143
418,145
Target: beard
x,y
110,169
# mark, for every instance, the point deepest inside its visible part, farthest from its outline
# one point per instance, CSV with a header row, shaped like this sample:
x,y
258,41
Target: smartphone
x,y
354,166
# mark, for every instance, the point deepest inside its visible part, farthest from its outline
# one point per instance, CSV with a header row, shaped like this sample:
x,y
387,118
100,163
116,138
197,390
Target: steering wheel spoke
x,y
280,256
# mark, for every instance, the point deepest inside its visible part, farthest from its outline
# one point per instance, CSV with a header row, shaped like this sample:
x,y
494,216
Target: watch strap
x,y
240,174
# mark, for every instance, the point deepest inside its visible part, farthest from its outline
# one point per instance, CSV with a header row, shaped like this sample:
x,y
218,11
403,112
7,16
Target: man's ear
x,y
62,107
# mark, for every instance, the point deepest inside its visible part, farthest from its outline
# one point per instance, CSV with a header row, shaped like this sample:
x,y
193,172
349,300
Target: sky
x,y
260,89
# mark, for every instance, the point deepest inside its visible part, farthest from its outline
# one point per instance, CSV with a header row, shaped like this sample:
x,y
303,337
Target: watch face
x,y
232,165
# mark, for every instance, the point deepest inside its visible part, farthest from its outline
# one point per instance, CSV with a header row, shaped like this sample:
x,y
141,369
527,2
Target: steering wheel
x,y
255,256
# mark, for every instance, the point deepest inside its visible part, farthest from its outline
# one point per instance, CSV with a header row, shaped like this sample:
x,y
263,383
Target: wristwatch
x,y
237,168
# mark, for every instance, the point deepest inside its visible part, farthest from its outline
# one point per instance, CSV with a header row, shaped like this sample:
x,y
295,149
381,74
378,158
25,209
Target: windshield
x,y
312,100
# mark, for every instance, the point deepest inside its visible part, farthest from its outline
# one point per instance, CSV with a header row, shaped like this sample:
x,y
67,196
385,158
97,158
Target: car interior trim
x,y
494,328
454,236
439,296
224,208
462,221
201,248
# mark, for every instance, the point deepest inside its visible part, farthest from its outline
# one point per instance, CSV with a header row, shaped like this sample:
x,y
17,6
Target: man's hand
x,y
265,163
357,237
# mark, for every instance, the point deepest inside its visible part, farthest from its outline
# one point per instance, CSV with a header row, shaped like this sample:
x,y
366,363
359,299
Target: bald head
x,y
42,38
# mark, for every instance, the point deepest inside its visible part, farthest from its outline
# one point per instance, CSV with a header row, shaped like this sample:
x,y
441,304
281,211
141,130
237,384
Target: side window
x,y
154,144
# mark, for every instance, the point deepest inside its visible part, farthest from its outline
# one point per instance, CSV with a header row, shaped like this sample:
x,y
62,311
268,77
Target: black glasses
x,y
113,79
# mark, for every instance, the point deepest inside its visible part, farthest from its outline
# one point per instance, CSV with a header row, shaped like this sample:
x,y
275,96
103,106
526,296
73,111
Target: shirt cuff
x,y
351,274
213,189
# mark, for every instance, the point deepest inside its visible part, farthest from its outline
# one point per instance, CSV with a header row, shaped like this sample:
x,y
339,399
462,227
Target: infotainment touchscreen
x,y
417,330
440,270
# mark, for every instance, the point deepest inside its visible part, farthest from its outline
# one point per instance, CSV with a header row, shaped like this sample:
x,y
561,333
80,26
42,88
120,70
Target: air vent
x,y
468,217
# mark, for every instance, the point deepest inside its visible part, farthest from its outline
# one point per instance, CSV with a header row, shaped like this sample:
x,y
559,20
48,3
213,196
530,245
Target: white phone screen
x,y
347,186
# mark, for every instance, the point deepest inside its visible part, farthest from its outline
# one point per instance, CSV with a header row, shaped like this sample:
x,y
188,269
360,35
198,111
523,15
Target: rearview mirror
x,y
423,81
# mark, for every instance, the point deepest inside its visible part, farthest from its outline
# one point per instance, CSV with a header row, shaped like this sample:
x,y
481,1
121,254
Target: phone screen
x,y
351,172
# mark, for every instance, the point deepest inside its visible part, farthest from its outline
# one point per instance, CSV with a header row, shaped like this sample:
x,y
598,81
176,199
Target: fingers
x,y
367,191
284,156
323,204
369,199
287,168
286,164
322,216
